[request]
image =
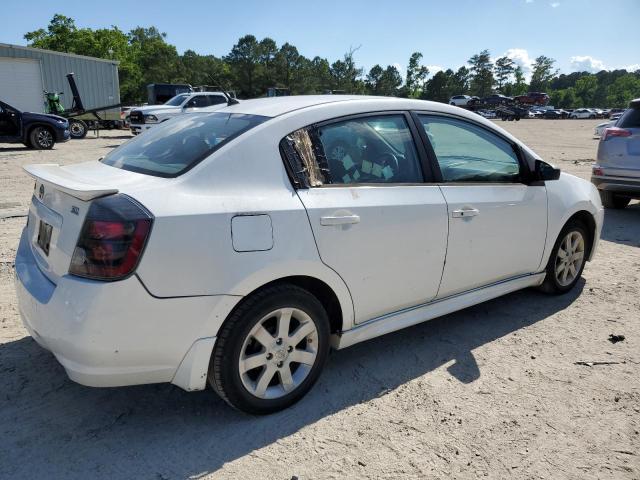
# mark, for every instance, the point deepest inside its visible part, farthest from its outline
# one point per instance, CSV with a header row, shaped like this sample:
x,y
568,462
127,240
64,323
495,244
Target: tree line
x,y
252,66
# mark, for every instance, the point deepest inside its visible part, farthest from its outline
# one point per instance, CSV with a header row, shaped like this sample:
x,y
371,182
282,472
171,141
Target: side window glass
x,y
198,102
373,149
216,99
468,153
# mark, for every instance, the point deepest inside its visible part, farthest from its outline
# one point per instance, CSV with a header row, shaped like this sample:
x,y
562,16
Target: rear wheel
x,y
611,200
78,129
41,138
271,350
567,259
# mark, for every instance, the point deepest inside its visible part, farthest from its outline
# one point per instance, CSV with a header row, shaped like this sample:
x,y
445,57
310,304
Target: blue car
x,y
35,130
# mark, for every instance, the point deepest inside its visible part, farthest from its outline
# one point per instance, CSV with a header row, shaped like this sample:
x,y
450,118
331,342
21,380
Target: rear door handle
x,y
339,220
465,212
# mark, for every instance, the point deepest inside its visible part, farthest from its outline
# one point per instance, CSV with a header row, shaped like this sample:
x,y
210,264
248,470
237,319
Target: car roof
x,y
276,106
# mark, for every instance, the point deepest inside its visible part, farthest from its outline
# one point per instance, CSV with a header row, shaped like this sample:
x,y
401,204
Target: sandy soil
x,y
492,391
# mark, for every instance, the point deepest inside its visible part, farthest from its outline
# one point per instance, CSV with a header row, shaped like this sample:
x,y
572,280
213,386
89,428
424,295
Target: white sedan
x,y
236,247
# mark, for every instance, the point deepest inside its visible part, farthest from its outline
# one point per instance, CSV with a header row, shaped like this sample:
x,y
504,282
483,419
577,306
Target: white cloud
x,y
586,63
433,69
554,4
520,57
528,1
632,68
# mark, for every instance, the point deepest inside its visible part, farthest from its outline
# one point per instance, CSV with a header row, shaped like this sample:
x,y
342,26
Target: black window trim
x,y
526,177
423,159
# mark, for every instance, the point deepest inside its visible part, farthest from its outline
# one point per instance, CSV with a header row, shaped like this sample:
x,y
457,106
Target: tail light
x,y
112,239
615,132
597,171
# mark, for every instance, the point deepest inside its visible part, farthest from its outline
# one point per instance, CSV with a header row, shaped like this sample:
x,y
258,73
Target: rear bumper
x,y
115,334
623,185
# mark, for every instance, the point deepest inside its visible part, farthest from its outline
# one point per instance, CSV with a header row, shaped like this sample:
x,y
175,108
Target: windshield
x,y
177,100
177,145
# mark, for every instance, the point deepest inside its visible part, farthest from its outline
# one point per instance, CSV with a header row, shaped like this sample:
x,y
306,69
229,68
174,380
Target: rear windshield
x,y
630,119
177,145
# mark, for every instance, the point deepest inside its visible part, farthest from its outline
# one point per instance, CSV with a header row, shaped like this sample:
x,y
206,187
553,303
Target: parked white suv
x,y
583,113
461,100
144,118
238,246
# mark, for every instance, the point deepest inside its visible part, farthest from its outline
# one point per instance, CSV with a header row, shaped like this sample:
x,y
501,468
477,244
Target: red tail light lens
x,y
615,132
112,239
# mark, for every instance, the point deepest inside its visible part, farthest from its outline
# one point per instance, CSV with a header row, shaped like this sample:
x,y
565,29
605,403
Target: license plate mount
x,y
44,236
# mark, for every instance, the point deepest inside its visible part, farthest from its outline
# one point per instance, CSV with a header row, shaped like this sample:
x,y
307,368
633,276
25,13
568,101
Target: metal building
x,y
25,72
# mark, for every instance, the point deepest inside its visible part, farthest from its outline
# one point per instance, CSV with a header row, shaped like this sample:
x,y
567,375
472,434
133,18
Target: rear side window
x,y
630,119
216,99
175,146
198,102
371,149
469,153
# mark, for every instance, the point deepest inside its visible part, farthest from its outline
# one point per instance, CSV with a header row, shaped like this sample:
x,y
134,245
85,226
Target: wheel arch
x,y
32,126
318,288
587,219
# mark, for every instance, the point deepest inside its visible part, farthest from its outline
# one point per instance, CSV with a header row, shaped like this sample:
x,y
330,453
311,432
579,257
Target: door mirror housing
x,y
545,172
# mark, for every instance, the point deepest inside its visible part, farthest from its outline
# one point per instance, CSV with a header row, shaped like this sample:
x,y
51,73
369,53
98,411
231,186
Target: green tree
x,y
542,74
481,73
346,75
623,90
245,66
503,69
585,89
416,77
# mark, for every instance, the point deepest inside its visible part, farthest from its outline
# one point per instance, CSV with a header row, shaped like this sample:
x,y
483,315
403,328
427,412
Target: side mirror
x,y
545,172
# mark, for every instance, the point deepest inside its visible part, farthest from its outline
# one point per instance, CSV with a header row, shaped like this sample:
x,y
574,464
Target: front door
x,y
374,220
9,122
497,223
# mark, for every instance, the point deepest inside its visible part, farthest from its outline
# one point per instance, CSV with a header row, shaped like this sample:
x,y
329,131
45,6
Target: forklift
x,y
78,128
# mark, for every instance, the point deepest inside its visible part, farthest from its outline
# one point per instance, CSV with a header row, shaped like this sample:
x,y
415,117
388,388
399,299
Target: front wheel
x,y
271,350
41,138
567,259
610,200
77,129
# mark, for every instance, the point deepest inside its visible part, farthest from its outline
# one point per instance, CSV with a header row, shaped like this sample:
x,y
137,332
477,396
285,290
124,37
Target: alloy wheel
x,y
278,353
569,258
45,139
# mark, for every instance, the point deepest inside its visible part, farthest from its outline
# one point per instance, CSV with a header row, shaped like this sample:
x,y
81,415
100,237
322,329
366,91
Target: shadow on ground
x,y
622,226
53,428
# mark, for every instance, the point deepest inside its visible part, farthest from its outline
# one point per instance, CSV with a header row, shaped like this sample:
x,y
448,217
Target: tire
x,y
611,200
259,316
42,138
560,280
78,129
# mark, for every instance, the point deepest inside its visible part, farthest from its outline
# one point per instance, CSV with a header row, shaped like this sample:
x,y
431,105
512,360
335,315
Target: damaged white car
x,y
236,247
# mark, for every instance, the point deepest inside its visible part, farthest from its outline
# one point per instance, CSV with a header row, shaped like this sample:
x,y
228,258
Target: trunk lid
x,y
61,199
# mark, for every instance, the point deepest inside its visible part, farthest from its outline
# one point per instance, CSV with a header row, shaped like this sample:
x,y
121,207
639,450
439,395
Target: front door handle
x,y
339,220
465,212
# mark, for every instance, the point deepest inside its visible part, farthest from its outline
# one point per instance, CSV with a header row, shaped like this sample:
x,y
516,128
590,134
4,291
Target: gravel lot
x,y
492,391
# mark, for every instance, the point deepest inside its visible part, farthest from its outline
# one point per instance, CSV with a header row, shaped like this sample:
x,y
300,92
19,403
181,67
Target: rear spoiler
x,y
67,182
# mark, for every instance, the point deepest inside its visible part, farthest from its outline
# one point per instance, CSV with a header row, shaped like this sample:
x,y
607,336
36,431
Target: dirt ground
x,y
492,391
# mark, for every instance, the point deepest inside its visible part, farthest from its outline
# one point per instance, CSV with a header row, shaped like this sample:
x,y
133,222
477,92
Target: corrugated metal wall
x,y
97,79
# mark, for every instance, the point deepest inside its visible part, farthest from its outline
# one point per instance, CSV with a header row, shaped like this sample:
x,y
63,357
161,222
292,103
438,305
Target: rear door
x,y
375,221
497,223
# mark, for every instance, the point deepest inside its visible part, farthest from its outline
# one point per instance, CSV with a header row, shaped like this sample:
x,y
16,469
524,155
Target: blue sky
x,y
579,34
